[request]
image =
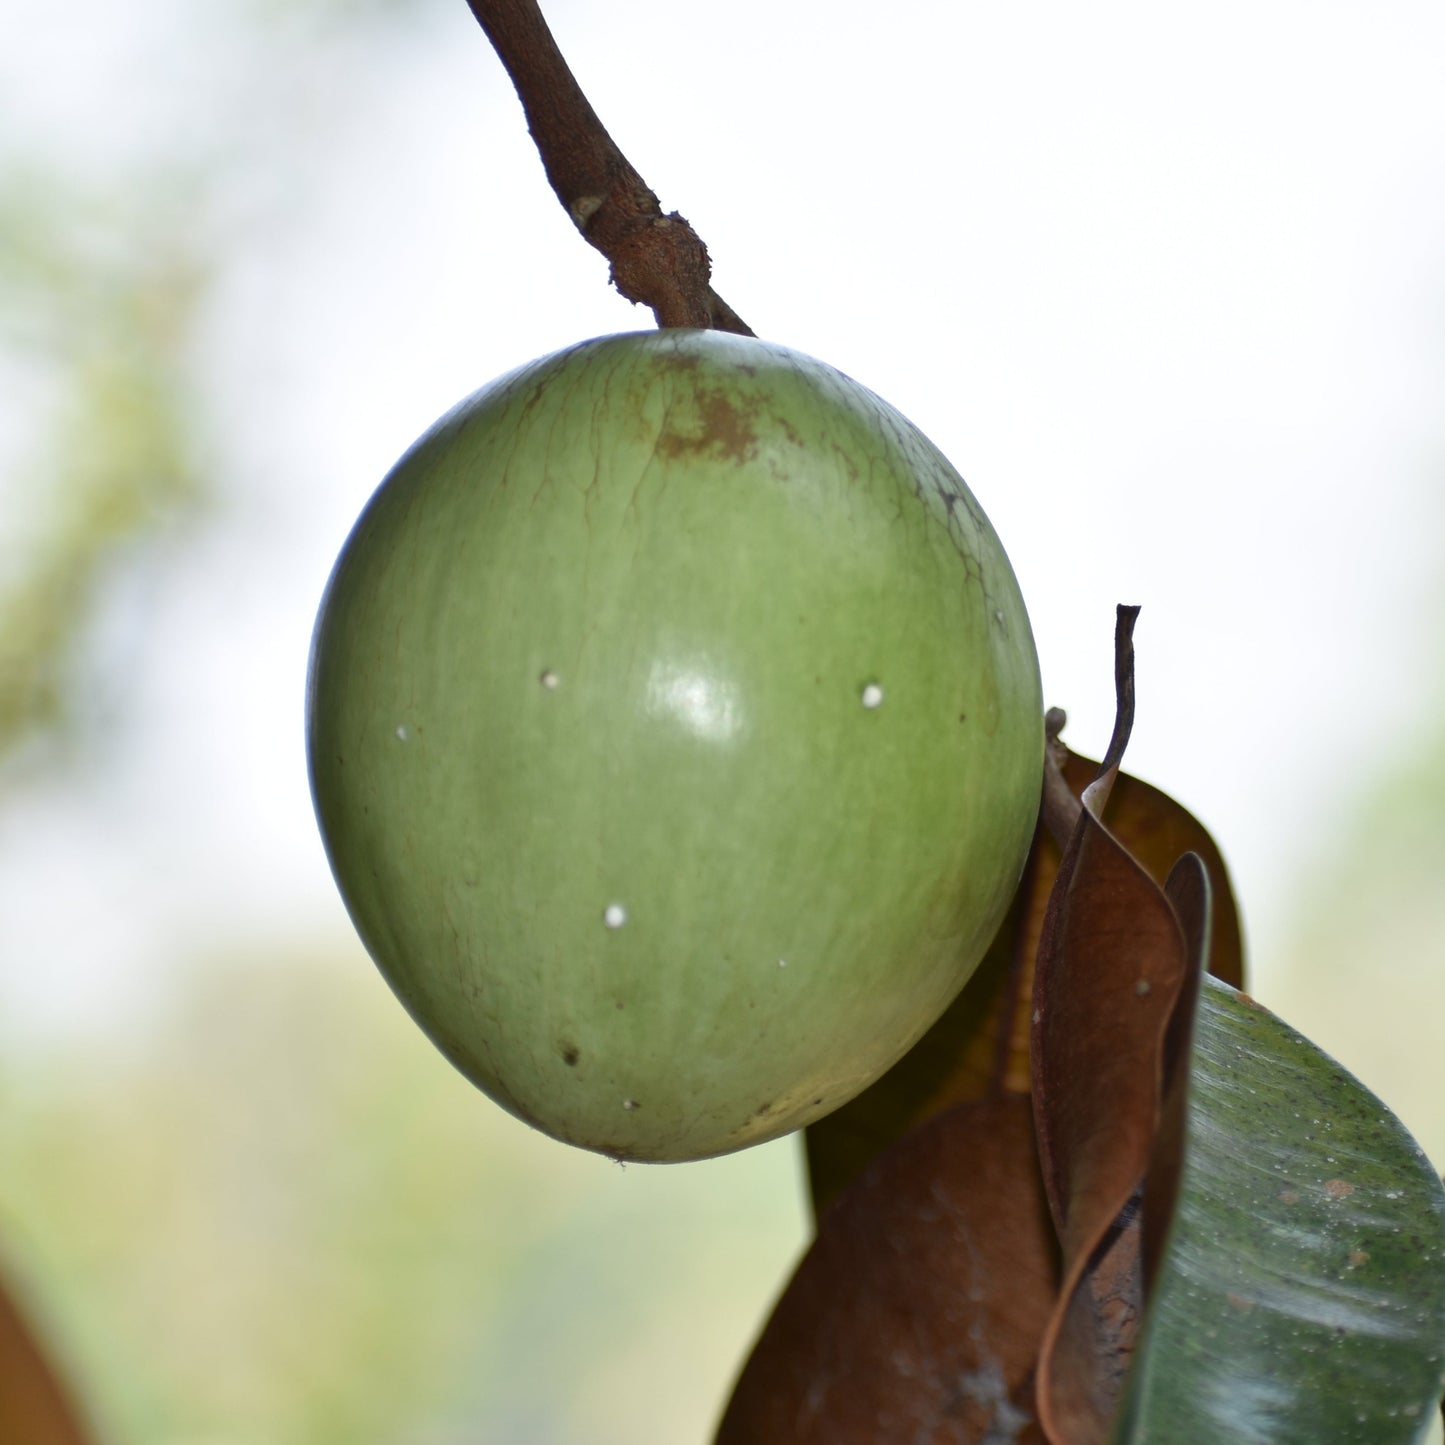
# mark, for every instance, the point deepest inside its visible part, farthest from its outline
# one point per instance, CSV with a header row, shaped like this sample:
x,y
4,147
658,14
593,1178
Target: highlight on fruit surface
x,y
675,735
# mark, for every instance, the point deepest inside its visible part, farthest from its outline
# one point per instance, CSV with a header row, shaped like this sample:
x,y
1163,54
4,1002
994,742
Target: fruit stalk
x,y
657,259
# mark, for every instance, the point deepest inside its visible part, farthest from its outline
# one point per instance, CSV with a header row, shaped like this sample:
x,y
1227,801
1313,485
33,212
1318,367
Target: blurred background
x,y
1167,287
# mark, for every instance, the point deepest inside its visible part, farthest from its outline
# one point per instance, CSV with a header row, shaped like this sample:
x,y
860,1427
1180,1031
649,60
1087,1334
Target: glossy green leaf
x,y
1301,1295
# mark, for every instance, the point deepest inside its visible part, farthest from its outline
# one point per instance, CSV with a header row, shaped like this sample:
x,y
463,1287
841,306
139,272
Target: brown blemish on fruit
x,y
719,425
1339,1188
1359,1257
1288,1196
570,1055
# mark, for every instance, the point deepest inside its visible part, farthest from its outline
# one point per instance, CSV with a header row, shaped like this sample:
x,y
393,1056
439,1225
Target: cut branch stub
x,y
657,260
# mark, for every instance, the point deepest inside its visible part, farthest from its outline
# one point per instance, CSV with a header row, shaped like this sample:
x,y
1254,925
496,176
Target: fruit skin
x,y
693,627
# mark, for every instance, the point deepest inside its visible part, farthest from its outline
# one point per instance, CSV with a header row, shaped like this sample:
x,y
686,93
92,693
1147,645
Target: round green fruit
x,y
675,734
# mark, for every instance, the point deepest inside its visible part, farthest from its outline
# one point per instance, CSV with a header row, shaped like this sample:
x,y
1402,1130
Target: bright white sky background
x,y
1167,284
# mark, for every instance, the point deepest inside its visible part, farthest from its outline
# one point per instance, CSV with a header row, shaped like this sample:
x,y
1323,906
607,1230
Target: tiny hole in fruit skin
x,y
570,1055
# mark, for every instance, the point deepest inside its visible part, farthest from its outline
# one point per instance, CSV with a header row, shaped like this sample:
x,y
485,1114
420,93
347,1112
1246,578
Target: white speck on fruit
x,y
549,680
629,1104
402,734
998,615
615,915
1037,1016
1142,987
782,963
872,695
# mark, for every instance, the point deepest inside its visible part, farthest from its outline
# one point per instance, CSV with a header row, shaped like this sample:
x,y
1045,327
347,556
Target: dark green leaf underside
x,y
1302,1293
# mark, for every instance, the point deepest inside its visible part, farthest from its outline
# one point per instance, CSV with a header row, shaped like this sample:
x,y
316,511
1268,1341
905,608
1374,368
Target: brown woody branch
x,y
657,260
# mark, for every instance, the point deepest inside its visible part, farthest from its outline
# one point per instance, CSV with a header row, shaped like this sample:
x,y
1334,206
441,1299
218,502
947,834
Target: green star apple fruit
x,y
675,734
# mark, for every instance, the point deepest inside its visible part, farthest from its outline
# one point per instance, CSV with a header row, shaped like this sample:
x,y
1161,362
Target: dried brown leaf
x,y
1085,999
1188,891
1115,964
980,1046
917,1312
1110,968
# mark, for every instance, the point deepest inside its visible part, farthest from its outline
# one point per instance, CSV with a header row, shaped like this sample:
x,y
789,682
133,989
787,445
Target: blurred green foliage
x,y
101,302
291,1223
103,292
1366,974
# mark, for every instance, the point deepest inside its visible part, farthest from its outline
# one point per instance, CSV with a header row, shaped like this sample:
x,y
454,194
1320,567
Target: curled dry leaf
x,y
980,1046
1188,890
1113,964
1114,993
1019,1181
917,1312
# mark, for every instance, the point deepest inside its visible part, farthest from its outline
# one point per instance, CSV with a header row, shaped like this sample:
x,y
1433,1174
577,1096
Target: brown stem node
x,y
657,260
